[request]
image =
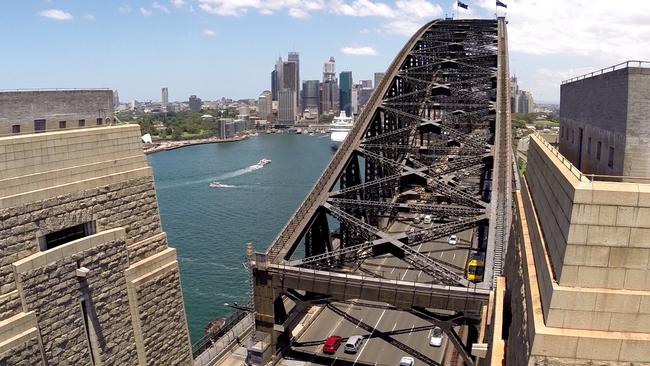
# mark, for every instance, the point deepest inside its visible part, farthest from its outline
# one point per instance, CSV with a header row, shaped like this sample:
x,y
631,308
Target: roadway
x,y
388,334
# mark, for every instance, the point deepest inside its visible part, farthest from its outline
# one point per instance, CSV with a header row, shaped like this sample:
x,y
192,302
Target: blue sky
x,y
216,48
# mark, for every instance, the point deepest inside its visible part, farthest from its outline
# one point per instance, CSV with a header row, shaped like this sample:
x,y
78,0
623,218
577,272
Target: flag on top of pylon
x,y
462,5
499,3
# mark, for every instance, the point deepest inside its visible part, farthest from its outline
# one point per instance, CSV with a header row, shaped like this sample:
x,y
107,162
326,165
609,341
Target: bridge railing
x,y
207,340
622,65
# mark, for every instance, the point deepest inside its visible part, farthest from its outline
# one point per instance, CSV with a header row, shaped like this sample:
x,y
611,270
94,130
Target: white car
x,y
427,219
453,240
406,361
436,337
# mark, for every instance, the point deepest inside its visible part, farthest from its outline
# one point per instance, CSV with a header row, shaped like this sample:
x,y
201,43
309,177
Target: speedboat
x,y
220,185
339,129
263,162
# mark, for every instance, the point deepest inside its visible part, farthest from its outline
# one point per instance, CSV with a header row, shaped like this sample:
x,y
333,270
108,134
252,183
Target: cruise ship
x,y
339,129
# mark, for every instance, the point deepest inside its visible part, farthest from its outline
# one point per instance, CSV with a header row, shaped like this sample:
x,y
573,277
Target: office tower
x,y
164,100
354,106
310,94
195,103
287,106
329,70
278,77
525,102
264,105
274,85
289,80
378,77
329,100
366,83
345,92
295,58
116,99
514,95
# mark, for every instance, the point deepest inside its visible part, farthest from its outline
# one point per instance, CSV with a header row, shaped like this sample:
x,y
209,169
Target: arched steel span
x,y
433,139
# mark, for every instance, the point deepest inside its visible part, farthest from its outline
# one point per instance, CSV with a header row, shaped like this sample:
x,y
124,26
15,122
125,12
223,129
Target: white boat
x,y
339,129
263,162
220,185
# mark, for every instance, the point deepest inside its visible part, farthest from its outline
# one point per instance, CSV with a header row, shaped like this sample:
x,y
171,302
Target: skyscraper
x,y
287,106
329,89
295,58
366,83
274,85
290,79
345,91
264,104
195,103
310,94
329,69
378,77
116,99
164,99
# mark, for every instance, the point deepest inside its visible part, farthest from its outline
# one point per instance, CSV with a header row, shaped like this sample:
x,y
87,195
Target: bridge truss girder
x,y
428,132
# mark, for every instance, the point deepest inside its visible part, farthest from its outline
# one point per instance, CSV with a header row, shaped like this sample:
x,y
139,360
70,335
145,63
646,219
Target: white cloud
x,y
177,3
418,9
156,5
209,33
145,12
89,17
362,8
403,27
359,51
56,14
609,30
124,9
364,31
298,13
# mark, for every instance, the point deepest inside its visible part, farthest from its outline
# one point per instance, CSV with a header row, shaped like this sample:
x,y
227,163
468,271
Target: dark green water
x,y
209,227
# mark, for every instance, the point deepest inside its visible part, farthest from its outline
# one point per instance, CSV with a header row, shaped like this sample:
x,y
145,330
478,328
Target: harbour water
x,y
210,227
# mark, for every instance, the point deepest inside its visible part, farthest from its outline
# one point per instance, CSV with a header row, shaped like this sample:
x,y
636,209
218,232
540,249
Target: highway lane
x,y
388,335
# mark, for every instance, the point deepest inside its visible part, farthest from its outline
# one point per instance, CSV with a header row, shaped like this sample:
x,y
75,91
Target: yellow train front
x,y
475,269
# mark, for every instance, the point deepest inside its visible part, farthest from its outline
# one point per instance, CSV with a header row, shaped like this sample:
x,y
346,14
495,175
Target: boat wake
x,y
216,181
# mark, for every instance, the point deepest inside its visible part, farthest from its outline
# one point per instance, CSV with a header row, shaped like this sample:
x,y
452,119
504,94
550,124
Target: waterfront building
x,y
265,105
364,96
290,80
287,106
50,110
329,99
378,77
164,99
354,101
195,103
604,121
345,92
310,94
224,131
86,273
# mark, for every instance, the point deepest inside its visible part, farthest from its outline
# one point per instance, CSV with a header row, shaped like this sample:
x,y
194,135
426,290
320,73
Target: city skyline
x,y
223,48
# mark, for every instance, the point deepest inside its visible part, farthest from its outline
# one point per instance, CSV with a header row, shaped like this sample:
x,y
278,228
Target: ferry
x,y
339,129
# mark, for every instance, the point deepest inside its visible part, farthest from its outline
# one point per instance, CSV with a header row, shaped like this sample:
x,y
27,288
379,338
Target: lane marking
x,y
411,331
394,325
369,337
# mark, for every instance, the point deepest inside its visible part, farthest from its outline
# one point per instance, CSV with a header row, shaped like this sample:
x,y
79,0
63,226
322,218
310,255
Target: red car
x,y
332,344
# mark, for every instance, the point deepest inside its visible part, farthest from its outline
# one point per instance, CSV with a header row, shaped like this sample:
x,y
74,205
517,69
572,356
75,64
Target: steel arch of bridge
x,y
429,128
437,127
